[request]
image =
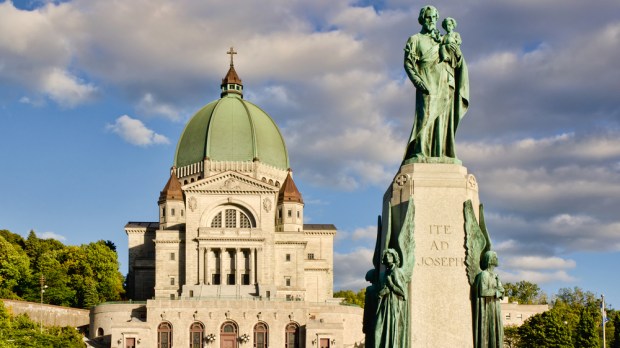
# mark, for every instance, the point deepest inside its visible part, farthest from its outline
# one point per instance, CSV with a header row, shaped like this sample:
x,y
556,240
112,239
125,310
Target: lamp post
x,y
43,287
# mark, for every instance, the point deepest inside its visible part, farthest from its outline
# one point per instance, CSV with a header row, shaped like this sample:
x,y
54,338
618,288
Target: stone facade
x,y
230,262
234,251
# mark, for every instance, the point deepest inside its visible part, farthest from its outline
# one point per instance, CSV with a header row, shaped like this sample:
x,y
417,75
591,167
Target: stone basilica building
x,y
230,263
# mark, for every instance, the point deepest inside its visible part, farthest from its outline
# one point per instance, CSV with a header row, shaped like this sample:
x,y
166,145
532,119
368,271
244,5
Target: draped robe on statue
x,y
438,112
392,311
488,328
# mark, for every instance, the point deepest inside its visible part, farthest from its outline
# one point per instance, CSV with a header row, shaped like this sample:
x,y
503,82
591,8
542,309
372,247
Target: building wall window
x,y
290,213
196,333
217,221
172,256
164,335
232,218
288,257
287,281
172,296
261,335
171,280
172,212
311,256
292,336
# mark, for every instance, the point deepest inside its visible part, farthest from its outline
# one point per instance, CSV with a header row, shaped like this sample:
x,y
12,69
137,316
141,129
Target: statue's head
x,y
489,259
448,21
428,17
371,275
390,256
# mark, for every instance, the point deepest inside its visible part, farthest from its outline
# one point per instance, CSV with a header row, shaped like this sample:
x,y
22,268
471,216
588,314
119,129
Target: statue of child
x,y
451,43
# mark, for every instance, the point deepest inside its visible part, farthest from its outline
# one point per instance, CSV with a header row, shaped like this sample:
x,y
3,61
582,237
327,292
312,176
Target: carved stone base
x,y
440,306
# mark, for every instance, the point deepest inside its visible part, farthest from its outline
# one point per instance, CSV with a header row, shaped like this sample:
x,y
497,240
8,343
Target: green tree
x,y
569,303
544,330
351,297
586,335
105,274
14,269
13,238
20,331
615,343
525,293
511,336
36,247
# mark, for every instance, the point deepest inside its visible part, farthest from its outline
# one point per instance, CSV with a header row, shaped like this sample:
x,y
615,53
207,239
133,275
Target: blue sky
x,y
94,95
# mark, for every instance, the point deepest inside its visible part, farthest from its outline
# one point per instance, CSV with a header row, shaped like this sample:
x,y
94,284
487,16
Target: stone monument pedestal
x,y
440,313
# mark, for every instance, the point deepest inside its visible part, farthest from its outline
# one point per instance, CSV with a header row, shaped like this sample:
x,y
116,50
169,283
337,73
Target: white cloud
x,y
52,235
350,269
135,132
539,263
149,105
536,277
66,89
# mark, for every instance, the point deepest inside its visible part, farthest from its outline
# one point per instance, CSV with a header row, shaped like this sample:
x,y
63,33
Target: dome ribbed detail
x,y
289,192
231,129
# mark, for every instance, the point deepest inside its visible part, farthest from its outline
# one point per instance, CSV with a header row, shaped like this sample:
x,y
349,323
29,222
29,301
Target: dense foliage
x,y
76,276
19,331
352,298
525,292
544,330
615,335
574,320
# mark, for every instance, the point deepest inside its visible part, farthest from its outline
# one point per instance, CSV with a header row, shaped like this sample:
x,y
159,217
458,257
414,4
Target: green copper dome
x,y
231,129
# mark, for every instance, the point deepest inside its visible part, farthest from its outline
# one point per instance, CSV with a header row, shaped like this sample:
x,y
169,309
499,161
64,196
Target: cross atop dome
x,y
231,83
231,52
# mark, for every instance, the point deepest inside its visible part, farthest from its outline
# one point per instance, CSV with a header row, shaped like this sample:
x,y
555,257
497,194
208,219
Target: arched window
x,y
292,336
164,335
100,332
217,221
196,332
228,335
232,217
261,335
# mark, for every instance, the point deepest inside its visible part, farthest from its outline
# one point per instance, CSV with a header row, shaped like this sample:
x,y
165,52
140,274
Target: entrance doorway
x,y
228,335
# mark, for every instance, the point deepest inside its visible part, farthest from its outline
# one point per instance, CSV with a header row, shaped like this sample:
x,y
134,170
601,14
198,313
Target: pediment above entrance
x,y
229,182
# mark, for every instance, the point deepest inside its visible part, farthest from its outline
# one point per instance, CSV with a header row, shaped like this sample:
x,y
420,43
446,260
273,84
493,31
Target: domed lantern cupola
x,y
231,83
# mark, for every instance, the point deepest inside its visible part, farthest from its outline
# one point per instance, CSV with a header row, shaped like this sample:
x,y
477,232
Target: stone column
x,y
206,279
259,265
222,252
201,251
252,267
237,268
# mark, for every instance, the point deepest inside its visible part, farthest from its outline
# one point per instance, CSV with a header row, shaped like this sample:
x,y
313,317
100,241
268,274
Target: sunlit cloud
x,y
135,132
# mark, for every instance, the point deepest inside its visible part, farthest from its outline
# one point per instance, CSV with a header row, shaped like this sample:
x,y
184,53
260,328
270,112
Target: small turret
x,y
290,214
171,202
